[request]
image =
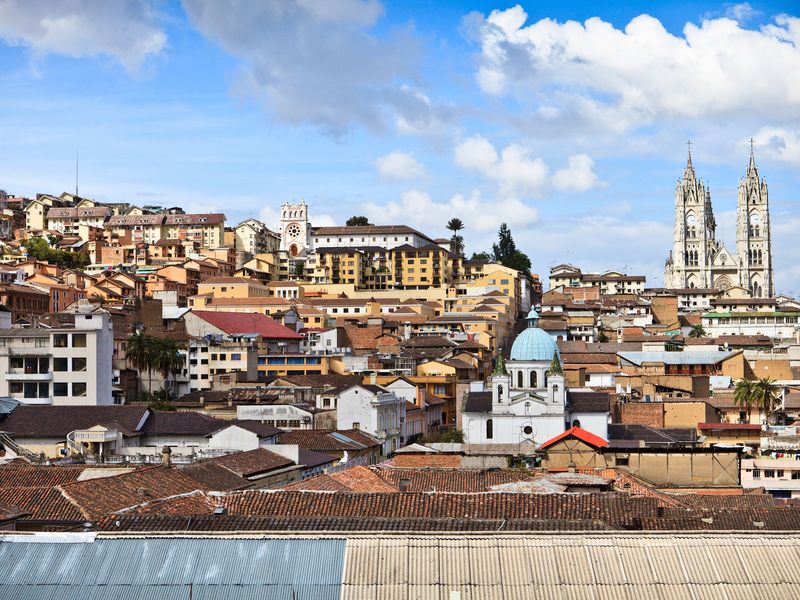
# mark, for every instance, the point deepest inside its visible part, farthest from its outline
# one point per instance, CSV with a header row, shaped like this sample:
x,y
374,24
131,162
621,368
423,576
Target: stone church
x,y
699,260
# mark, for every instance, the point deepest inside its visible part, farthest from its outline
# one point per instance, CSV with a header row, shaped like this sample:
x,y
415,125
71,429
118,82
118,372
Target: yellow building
x,y
232,287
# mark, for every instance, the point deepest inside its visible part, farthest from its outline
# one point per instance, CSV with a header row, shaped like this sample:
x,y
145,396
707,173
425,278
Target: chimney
x,y
166,456
404,484
202,400
373,379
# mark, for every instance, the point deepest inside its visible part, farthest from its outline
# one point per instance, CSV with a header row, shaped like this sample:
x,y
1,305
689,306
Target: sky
x,y
566,120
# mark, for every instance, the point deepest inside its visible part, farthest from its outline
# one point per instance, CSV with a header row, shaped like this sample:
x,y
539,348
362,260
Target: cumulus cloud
x,y
518,173
626,78
741,12
399,165
417,208
779,143
127,31
578,176
319,64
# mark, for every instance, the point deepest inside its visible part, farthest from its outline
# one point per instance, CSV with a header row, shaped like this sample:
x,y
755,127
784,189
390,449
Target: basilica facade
x,y
699,260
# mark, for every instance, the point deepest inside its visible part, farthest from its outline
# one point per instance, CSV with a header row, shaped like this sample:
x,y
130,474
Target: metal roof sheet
x,y
167,567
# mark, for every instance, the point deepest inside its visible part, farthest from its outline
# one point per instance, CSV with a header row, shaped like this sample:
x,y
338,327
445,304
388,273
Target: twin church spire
x,y
698,260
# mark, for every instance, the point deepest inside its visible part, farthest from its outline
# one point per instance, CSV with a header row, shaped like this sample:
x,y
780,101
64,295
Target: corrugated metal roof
x,y
168,567
627,566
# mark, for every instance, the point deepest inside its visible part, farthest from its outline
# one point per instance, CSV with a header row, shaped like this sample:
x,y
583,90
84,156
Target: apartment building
x,y
369,236
206,229
375,410
220,354
609,282
58,366
252,237
74,221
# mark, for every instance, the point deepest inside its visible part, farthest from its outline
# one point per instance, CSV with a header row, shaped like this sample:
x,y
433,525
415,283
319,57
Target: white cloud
x,y
741,12
417,208
625,78
319,64
579,176
399,165
517,173
779,143
127,31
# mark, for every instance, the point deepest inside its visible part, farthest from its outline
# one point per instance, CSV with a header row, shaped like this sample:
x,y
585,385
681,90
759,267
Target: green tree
x,y
358,221
168,358
506,253
766,395
139,351
481,256
299,269
697,332
555,365
743,395
456,241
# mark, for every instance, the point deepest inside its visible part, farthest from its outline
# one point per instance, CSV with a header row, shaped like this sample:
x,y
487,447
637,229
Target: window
x,y
489,429
79,389
15,387
60,364
213,357
769,472
533,379
236,357
520,382
60,389
795,474
41,342
622,461
756,473
60,340
78,364
356,425
79,340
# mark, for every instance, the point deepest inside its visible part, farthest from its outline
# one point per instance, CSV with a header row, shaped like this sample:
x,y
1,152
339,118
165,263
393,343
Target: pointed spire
x,y
752,154
688,172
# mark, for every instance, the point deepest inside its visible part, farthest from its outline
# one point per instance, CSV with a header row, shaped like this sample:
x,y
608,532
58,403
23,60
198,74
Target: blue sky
x,y
568,120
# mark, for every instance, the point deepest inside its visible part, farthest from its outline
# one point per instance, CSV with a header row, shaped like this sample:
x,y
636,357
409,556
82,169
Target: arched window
x,y
520,378
545,379
489,429
499,393
533,379
555,393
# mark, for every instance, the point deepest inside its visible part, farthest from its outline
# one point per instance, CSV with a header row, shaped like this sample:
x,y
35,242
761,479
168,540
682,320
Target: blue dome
x,y
534,343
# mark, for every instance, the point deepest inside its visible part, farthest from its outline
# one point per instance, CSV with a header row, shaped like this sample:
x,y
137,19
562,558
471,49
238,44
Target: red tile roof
x,y
231,322
581,434
729,426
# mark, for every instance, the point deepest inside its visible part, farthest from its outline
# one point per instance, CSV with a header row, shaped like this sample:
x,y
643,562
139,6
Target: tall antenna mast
x,y
77,160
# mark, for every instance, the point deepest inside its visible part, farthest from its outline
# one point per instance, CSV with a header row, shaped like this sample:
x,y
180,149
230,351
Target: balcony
x,y
21,375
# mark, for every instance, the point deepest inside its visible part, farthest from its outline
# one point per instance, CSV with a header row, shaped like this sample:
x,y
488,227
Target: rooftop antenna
x,y
77,160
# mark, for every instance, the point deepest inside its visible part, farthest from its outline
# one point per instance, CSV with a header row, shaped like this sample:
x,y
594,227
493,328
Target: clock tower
x,y
295,229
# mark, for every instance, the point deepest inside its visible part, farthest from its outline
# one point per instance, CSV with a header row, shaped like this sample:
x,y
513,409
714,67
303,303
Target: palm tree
x,y
697,332
743,395
168,359
139,352
766,395
456,242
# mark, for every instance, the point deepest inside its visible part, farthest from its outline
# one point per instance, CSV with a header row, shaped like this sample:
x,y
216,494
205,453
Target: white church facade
x,y
523,403
699,260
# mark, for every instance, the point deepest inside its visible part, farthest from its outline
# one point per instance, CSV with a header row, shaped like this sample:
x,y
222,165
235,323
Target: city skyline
x,y
414,114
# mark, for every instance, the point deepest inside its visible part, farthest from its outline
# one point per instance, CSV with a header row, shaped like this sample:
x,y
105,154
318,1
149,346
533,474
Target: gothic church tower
x,y
753,239
694,241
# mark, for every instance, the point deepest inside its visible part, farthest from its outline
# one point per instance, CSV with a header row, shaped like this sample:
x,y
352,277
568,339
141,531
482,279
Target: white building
x,y
374,410
219,354
524,404
59,366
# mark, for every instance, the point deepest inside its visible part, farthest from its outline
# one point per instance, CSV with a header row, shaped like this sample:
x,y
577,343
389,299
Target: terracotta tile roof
x,y
181,423
42,503
354,479
214,476
211,523
99,497
478,402
329,440
232,322
581,434
449,480
58,421
190,503
252,462
38,476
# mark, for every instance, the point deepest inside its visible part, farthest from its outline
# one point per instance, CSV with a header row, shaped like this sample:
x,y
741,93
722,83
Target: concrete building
x,y
59,366
375,410
608,283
